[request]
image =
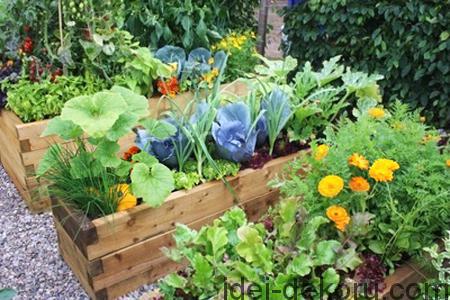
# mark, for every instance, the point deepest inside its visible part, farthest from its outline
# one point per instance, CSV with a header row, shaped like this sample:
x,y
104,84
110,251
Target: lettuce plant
x,y
233,132
277,113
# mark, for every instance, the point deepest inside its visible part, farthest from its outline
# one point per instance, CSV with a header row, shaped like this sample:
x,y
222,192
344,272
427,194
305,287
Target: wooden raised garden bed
x,y
118,253
22,147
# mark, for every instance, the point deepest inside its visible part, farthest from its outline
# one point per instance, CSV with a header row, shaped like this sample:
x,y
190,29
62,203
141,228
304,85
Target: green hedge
x,y
408,41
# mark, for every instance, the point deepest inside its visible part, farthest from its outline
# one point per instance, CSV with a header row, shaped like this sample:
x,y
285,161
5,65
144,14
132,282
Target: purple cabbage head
x,y
233,133
162,149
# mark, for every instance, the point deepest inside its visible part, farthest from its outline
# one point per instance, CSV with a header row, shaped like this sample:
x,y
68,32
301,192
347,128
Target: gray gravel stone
x,y
29,258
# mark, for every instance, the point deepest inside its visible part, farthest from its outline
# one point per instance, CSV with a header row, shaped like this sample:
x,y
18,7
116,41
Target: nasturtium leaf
x,y
122,126
159,129
175,281
326,252
153,184
301,265
106,153
252,248
144,157
65,129
137,104
94,114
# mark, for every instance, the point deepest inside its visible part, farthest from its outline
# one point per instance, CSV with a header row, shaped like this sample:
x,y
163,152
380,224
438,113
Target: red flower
x,y
128,155
169,87
27,46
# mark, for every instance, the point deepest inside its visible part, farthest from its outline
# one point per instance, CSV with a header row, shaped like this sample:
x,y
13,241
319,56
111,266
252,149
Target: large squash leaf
x,y
152,184
95,114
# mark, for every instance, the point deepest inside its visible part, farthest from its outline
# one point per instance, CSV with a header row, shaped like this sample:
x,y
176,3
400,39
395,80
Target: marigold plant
x,y
399,202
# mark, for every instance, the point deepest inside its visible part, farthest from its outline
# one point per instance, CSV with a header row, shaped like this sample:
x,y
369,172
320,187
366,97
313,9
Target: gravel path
x,y
29,258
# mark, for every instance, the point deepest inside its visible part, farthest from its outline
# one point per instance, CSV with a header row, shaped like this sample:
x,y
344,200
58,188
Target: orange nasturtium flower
x,y
359,184
382,170
321,152
358,161
127,200
376,113
339,216
330,186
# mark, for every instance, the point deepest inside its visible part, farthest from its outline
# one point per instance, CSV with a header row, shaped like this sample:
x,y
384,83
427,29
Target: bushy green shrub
x,y
186,23
406,41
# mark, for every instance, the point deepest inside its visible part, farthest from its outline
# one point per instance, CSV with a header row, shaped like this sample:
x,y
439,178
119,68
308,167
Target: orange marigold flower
x,y
376,113
321,152
358,161
127,199
339,216
330,186
359,184
382,170
448,162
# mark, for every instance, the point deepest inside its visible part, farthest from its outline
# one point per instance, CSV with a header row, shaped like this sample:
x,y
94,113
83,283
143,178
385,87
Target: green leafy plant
x,y
407,42
232,248
320,98
104,118
384,164
142,70
187,23
39,101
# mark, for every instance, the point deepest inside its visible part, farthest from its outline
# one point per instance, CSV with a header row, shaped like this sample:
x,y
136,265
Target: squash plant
x,y
103,118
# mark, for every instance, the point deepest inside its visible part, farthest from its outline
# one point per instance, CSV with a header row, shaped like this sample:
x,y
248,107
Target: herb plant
x,y
39,101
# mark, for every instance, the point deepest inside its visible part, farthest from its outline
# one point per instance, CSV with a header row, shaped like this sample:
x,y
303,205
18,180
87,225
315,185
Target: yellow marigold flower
x,y
376,112
358,161
127,200
382,170
422,119
447,162
211,60
321,152
215,72
386,163
339,216
359,184
330,186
